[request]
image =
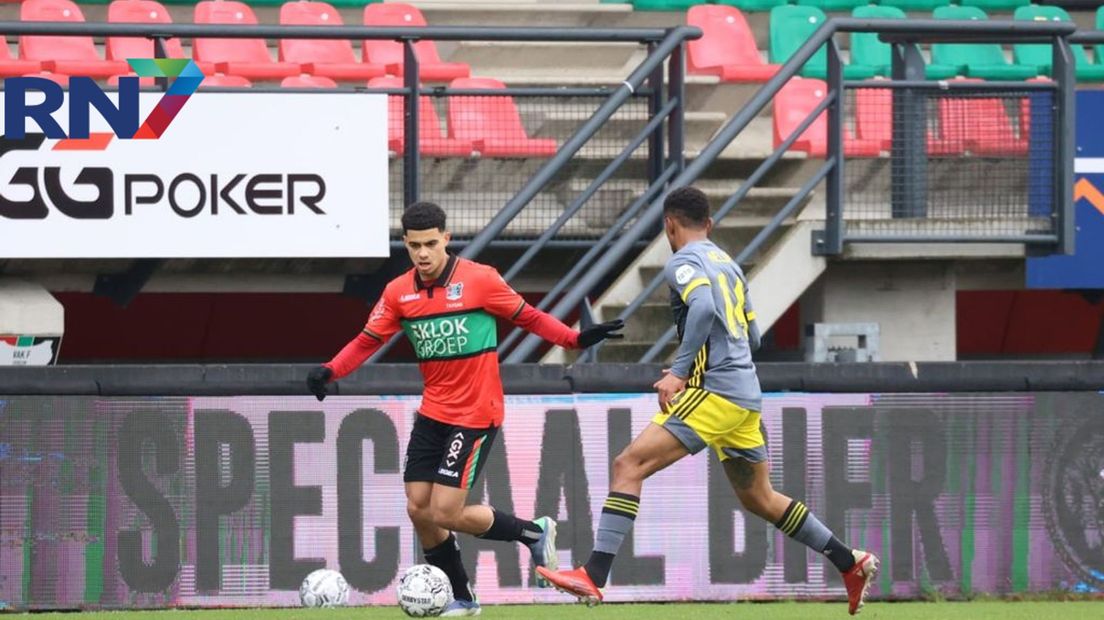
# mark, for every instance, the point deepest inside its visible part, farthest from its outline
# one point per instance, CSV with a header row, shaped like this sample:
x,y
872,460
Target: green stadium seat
x,y
983,60
995,5
867,50
752,5
1041,57
790,27
833,5
1098,50
915,5
665,5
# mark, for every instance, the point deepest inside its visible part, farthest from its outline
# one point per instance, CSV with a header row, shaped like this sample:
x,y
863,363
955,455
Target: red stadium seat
x,y
225,81
792,106
141,12
727,48
874,122
308,81
142,82
432,140
332,58
12,67
493,124
59,78
248,58
390,53
66,55
981,126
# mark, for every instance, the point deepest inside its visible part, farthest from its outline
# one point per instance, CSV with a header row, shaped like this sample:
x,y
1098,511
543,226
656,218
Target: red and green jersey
x,y
451,325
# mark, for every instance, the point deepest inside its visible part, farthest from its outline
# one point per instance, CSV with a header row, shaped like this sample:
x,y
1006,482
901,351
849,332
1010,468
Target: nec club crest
x,y
454,291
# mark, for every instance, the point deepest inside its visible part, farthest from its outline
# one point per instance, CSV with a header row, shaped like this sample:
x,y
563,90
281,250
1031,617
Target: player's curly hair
x,y
423,216
688,205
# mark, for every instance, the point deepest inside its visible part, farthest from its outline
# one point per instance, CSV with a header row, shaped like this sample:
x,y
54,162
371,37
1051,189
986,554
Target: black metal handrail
x,y
928,30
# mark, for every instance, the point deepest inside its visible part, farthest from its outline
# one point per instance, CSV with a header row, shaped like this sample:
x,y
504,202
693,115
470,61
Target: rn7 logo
x,y
85,94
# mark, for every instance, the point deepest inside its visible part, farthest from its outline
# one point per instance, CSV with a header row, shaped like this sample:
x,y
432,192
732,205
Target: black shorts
x,y
446,454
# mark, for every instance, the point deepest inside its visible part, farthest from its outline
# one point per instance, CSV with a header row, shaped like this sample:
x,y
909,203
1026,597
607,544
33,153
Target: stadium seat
x,y
833,5
220,80
390,53
867,50
981,125
727,48
874,122
792,106
332,58
493,124
14,67
58,78
308,81
984,60
64,55
751,5
1098,49
432,140
790,27
664,5
142,12
915,5
1041,56
248,58
995,5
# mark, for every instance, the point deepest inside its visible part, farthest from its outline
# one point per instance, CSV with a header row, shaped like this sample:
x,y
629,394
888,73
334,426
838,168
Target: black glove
x,y
317,380
597,333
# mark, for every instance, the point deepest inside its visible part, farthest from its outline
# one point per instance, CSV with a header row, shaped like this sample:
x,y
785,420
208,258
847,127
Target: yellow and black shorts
x,y
699,418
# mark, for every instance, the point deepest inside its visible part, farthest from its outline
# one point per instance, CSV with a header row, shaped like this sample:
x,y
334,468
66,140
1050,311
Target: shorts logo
x,y
447,472
454,291
454,450
683,274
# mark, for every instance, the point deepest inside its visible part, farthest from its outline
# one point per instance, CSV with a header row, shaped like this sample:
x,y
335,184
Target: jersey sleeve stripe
x,y
372,334
750,316
693,284
517,312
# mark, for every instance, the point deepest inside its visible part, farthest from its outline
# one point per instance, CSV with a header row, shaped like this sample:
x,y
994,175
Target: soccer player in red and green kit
x,y
447,306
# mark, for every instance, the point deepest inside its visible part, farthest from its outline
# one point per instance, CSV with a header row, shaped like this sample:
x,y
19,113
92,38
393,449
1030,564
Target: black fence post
x,y
655,104
676,89
1065,140
411,156
834,183
909,153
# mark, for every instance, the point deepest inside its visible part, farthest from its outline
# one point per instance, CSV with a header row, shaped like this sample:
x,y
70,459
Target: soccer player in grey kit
x,y
709,397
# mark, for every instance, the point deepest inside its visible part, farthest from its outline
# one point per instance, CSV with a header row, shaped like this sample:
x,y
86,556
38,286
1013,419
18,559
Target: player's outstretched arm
x,y
555,331
382,324
346,361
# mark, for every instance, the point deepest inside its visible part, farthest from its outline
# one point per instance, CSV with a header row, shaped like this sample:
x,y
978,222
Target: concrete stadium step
x,y
502,59
649,321
526,13
699,127
761,202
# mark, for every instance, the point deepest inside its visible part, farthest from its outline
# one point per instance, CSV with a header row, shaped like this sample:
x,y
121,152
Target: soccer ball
x,y
324,588
424,590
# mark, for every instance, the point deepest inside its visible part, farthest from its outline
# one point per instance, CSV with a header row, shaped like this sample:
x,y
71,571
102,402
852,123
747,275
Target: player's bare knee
x,y
627,466
419,513
447,519
757,501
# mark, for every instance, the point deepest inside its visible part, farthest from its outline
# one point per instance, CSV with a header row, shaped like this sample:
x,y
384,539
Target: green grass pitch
x,y
995,610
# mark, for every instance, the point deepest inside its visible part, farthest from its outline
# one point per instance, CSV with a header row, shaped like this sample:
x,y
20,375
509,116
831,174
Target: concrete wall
x,y
913,302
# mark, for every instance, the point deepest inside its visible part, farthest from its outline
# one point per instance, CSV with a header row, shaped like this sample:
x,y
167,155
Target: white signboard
x,y
235,175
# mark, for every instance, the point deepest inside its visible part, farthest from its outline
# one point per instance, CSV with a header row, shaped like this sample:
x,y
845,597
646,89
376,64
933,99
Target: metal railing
x,y
903,35
661,134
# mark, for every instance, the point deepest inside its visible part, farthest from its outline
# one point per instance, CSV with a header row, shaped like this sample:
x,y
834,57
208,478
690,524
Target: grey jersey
x,y
716,323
